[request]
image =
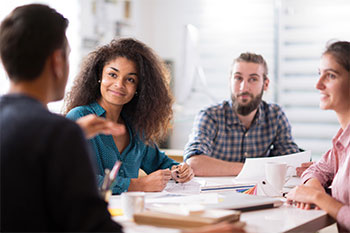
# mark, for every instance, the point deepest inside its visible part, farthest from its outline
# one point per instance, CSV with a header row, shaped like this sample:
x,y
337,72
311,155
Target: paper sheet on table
x,y
171,198
254,168
191,187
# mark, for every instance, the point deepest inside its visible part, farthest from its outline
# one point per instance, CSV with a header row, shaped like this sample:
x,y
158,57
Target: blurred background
x,y
199,39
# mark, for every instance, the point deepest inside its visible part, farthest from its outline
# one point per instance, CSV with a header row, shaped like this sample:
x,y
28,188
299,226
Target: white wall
x,y
226,28
70,9
290,34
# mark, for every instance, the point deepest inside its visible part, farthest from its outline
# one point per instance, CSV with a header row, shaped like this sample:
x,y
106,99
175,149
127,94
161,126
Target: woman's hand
x,y
154,182
182,172
93,125
304,196
300,170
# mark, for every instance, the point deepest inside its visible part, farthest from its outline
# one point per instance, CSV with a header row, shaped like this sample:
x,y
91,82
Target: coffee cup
x,y
132,202
276,174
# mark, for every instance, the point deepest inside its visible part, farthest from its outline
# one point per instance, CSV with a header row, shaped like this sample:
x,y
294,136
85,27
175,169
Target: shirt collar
x,y
97,109
102,112
233,117
343,137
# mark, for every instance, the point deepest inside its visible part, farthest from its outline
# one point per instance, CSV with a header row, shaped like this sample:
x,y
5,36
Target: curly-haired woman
x,y
122,91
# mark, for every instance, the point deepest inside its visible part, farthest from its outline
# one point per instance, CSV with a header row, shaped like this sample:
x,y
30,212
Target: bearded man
x,y
224,135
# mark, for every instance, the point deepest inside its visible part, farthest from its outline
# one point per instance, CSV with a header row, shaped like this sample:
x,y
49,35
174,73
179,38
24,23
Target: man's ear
x,y
266,83
57,63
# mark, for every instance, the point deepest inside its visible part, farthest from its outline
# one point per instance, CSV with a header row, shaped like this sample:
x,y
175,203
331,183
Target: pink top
x,y
334,169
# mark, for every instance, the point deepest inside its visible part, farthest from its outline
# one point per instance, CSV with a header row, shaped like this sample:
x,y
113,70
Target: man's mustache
x,y
245,94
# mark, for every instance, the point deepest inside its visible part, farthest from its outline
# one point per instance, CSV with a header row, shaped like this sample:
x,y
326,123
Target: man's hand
x,y
302,168
182,173
93,125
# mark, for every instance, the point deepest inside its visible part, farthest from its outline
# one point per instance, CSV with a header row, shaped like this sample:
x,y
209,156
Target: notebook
x,y
244,202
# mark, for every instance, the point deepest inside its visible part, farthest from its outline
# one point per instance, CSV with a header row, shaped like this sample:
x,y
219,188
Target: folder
x,y
209,216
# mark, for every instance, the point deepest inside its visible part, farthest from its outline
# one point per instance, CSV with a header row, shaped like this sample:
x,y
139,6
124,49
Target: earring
x,y
99,81
136,93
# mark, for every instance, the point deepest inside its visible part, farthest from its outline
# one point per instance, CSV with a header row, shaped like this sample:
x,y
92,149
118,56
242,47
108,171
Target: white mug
x,y
132,202
275,173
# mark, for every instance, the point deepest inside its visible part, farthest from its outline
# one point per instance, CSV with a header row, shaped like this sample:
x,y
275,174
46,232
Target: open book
x,y
209,216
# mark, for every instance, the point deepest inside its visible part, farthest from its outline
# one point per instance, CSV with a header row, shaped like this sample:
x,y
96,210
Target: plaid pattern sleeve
x,y
283,143
218,132
202,137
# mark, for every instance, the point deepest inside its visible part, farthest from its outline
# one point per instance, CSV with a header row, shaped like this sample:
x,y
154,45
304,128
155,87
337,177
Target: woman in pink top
x,y
334,167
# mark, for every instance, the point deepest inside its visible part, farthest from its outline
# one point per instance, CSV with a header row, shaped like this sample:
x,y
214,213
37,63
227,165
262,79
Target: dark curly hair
x,y
150,111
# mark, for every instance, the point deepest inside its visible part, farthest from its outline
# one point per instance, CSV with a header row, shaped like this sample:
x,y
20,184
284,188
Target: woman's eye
x,y
131,80
112,75
330,75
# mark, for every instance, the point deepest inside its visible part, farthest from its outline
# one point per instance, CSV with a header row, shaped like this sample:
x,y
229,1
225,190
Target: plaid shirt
x,y
218,133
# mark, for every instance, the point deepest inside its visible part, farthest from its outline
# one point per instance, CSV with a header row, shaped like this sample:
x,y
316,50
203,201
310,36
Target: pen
x,y
294,203
105,180
176,172
114,172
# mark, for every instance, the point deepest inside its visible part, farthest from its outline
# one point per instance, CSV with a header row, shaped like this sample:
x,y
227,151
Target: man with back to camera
x,y
224,135
47,180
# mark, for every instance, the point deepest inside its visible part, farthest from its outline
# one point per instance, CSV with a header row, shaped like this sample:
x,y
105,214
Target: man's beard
x,y
247,108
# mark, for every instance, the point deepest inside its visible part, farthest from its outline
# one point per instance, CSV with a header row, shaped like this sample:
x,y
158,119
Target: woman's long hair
x,y
150,110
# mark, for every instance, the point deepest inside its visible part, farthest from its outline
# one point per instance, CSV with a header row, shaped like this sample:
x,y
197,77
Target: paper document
x,y
191,187
170,198
179,209
254,168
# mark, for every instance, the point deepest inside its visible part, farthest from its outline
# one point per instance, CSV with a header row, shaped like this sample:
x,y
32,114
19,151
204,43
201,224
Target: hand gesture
x,y
93,125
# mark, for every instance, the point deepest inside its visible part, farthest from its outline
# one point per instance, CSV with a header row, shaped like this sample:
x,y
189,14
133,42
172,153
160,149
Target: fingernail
x,y
178,176
176,182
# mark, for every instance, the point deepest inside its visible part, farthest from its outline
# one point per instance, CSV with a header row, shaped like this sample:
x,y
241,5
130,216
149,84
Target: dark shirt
x,y
47,180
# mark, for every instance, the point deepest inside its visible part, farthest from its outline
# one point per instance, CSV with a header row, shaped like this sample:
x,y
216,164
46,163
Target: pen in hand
x,y
175,173
295,203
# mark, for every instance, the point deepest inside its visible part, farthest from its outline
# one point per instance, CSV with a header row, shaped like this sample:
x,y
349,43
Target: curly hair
x,y
150,111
